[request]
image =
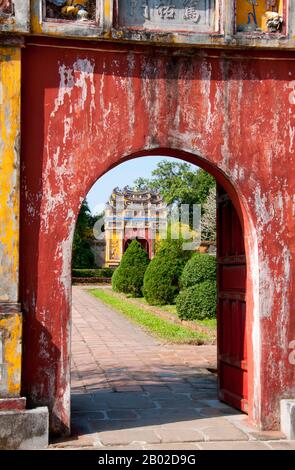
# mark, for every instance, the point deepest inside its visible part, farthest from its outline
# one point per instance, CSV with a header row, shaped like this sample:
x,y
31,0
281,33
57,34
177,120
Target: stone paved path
x,y
129,391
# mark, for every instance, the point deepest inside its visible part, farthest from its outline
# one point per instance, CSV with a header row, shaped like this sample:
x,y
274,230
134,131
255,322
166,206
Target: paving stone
x,y
123,447
179,435
155,390
209,411
181,387
162,396
219,429
128,388
205,386
94,388
132,400
83,402
281,445
168,415
266,435
122,414
140,424
127,436
78,415
175,402
203,394
77,390
231,445
217,404
186,425
172,446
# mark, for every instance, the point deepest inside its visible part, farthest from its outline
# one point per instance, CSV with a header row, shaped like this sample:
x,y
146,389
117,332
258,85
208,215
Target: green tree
x,y
204,182
128,277
178,183
82,254
161,279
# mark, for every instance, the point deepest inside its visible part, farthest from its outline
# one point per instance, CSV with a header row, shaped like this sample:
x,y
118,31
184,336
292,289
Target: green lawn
x,y
208,322
155,325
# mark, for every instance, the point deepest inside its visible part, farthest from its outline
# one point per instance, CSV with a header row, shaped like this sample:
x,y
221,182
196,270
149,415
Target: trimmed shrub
x,y
161,280
197,302
128,277
105,272
100,272
201,267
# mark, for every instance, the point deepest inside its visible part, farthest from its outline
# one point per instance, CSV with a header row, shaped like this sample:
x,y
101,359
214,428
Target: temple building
x,y
133,215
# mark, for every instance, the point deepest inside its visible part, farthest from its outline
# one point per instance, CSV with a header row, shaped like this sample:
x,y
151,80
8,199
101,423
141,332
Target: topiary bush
x,y
105,272
161,279
128,277
201,267
197,302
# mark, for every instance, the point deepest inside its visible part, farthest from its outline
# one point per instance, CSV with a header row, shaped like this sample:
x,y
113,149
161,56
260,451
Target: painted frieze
x,y
6,8
74,10
260,16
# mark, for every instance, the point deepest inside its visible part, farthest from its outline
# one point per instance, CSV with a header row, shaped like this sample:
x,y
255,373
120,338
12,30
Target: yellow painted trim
x,y
11,328
10,85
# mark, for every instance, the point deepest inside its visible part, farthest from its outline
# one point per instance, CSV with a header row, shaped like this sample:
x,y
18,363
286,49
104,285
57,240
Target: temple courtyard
x,y
130,391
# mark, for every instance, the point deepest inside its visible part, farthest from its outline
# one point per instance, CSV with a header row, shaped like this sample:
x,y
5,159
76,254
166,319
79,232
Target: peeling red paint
x,y
12,404
85,111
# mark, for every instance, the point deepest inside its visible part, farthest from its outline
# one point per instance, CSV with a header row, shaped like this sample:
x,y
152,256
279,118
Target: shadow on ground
x,y
176,398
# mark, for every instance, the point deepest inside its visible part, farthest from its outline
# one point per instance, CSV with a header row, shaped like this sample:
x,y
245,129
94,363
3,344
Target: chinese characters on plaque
x,y
179,15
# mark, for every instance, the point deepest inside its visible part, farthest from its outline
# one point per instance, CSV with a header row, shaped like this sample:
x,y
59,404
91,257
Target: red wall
x,y
86,107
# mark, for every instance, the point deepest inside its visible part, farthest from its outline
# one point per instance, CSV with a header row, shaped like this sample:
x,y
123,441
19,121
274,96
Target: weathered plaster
x,y
9,172
123,101
11,337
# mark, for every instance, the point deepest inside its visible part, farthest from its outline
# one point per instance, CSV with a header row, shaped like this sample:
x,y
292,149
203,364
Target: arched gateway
x,y
88,106
133,215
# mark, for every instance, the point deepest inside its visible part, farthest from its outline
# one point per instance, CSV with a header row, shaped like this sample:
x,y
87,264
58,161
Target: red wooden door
x,y
231,310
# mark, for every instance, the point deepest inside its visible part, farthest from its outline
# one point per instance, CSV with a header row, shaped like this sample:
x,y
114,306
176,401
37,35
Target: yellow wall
x,y
244,7
9,172
11,332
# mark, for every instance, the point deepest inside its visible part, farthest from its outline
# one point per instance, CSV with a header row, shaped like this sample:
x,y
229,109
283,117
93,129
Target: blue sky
x,y
122,175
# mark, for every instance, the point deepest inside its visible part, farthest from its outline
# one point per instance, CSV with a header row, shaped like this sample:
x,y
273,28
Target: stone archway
x,y
85,110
